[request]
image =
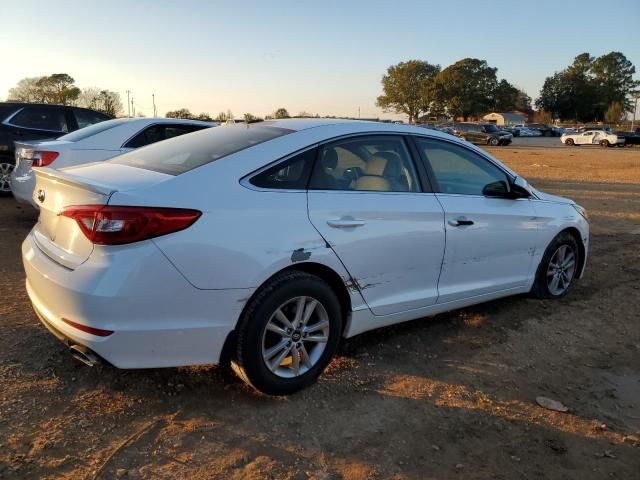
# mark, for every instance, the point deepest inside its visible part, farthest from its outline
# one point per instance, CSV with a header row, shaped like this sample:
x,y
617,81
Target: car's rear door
x,y
490,239
366,199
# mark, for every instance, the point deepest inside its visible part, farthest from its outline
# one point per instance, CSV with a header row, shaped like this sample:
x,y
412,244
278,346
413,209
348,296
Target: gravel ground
x,y
442,397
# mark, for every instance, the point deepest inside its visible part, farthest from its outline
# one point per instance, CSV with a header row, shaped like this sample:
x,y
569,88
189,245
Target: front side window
x,y
186,152
458,170
41,118
374,163
291,174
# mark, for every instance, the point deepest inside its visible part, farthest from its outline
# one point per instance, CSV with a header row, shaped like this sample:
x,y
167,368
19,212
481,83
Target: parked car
x,y
630,138
515,131
269,243
92,144
32,121
482,133
593,137
529,132
544,129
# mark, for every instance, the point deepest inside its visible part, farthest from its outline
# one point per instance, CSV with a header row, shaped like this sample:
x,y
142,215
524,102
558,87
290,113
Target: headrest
x,y
330,158
384,164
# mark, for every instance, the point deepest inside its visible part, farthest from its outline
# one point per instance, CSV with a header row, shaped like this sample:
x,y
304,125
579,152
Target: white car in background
x,y
600,137
272,241
91,144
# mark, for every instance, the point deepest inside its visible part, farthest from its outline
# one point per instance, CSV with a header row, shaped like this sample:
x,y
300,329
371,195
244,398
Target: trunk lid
x,y
60,237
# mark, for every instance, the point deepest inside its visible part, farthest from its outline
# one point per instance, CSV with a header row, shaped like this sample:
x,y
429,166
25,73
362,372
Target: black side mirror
x,y
496,189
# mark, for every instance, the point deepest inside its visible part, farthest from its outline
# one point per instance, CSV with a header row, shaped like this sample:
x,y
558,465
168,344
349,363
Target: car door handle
x,y
460,222
346,222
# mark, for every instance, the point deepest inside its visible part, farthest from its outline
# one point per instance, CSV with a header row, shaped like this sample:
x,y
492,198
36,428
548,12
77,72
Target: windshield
x,y
490,128
184,153
87,132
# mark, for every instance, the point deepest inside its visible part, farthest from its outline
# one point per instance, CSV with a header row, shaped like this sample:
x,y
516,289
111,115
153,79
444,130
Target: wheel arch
x,y
329,275
582,251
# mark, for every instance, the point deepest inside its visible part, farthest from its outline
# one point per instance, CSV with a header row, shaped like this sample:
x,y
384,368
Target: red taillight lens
x,y
85,328
111,225
42,158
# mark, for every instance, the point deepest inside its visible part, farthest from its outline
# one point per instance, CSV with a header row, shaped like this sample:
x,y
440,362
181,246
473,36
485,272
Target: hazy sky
x,y
323,57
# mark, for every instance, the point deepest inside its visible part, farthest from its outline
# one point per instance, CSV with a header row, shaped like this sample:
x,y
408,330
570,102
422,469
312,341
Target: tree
x,y
104,101
281,113
183,113
408,88
57,88
222,117
614,113
467,88
542,116
205,117
304,114
505,97
613,78
523,103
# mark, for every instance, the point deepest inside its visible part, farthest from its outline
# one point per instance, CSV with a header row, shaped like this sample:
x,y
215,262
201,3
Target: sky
x,y
324,57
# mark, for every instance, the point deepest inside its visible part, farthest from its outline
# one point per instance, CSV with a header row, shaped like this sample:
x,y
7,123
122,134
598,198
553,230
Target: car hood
x,y
547,197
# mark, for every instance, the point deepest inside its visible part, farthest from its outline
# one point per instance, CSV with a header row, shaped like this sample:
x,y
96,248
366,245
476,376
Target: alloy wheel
x,y
295,337
5,176
561,270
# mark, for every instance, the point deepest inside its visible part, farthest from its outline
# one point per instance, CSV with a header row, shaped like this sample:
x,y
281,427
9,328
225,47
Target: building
x,y
505,119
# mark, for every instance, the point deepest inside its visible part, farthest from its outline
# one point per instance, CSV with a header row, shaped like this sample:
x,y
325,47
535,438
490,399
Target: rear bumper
x,y
158,318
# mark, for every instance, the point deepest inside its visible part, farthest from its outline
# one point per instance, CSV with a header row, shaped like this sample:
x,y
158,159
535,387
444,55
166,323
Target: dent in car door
x,y
489,241
391,242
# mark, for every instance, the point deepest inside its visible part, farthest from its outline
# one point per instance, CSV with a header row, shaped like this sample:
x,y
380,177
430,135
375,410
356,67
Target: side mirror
x,y
496,189
521,187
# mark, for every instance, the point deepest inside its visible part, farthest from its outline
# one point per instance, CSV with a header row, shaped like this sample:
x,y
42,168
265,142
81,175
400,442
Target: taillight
x,y
114,225
42,158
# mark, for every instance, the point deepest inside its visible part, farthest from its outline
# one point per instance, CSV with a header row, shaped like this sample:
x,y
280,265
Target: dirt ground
x,y
446,397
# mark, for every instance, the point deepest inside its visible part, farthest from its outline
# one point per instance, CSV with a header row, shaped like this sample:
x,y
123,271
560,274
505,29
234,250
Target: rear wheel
x,y
569,142
288,334
558,268
5,177
604,143
494,141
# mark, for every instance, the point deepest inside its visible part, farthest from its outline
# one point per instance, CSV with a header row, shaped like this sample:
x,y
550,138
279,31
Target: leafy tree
x,y
408,88
249,117
614,113
205,117
505,96
58,88
467,88
183,113
542,116
304,114
613,78
281,113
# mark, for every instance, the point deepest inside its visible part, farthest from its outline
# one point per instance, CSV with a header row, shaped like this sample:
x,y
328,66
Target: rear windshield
x,y
184,153
86,132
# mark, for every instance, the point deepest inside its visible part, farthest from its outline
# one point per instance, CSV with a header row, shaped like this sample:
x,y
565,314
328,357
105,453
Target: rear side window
x,y
292,174
41,118
88,117
184,153
91,130
156,133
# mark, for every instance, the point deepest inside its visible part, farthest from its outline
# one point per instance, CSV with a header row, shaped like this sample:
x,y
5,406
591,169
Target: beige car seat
x,y
383,172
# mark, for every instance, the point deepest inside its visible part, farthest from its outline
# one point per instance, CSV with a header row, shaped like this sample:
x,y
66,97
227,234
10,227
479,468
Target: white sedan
x,y
272,241
91,144
603,138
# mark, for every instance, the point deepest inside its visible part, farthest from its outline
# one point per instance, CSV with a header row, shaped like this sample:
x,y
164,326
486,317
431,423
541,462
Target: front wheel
x,y
494,142
569,142
6,169
604,143
558,268
288,334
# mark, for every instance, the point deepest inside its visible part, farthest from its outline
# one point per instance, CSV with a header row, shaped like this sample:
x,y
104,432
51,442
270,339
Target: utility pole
x,y
128,104
133,107
153,99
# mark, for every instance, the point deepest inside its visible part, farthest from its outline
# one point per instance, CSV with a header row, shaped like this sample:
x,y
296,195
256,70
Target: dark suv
x,y
482,133
33,121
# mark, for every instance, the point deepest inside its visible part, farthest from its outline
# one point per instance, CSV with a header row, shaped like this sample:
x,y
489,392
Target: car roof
x,y
141,121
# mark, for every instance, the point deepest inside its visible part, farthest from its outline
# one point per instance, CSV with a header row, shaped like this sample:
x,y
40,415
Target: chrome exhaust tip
x,y
84,355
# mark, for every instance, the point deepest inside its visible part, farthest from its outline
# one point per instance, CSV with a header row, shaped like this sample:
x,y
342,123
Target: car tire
x,y
279,360
494,141
604,143
569,142
558,268
6,167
